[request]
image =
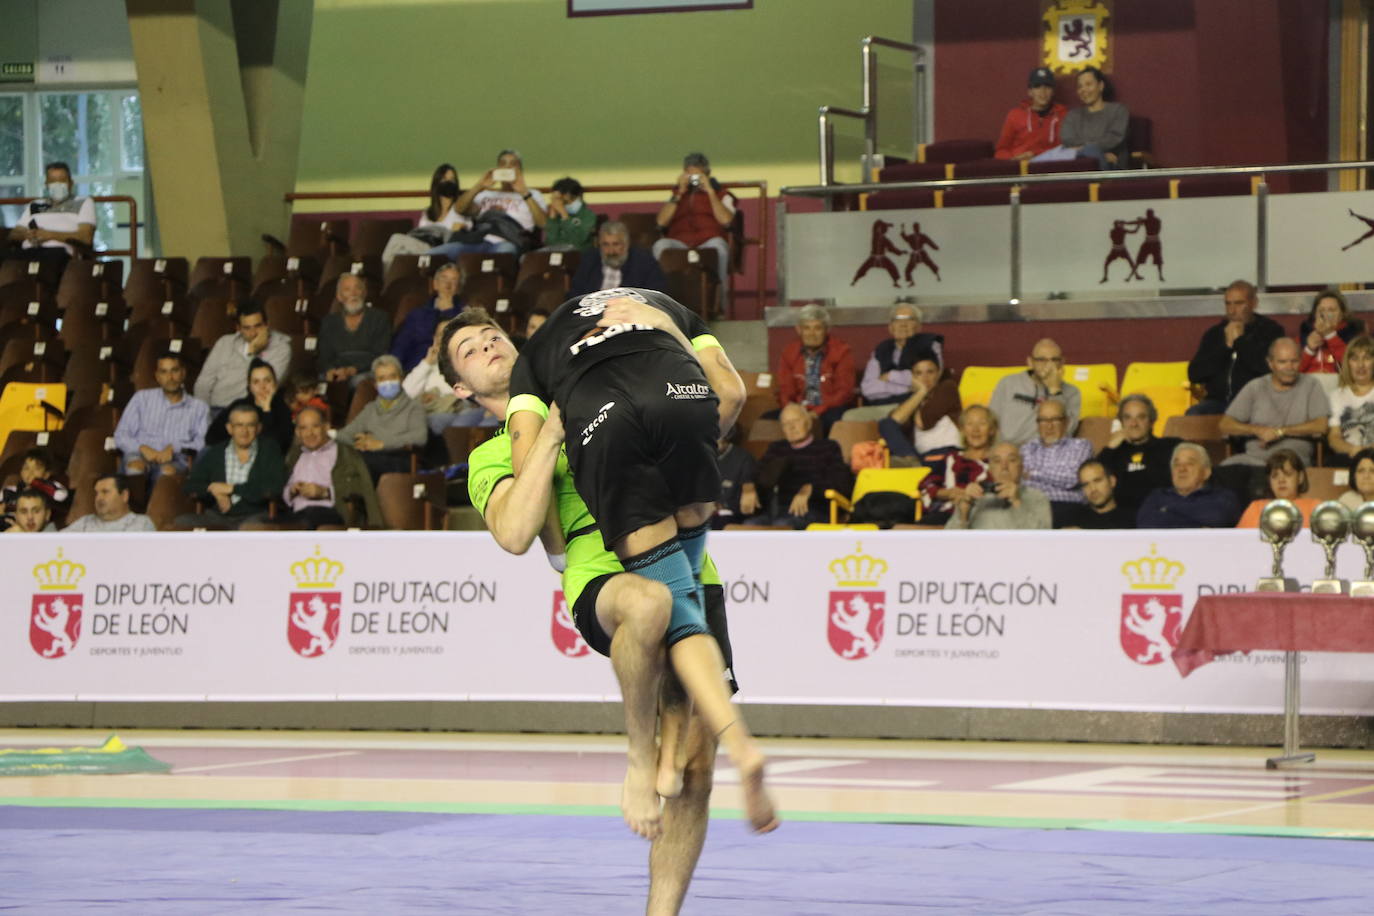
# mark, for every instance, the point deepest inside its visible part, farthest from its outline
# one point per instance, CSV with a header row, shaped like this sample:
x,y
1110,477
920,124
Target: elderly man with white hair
x,y
389,425
887,376
816,370
1191,502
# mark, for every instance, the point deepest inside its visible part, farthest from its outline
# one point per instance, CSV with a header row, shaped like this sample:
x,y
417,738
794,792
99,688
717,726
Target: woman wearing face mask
x,y
352,335
389,424
443,194
1361,480
572,224
276,414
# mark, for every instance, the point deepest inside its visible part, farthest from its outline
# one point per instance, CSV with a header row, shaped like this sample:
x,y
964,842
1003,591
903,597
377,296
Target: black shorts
x,y
584,617
641,438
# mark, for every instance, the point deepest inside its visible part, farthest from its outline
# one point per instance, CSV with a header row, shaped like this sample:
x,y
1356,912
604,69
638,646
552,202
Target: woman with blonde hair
x,y
1352,403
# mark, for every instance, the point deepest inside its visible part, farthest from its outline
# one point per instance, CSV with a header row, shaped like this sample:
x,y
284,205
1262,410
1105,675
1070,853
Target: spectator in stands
x,y
161,428
1232,352
224,377
416,335
816,370
1099,509
927,422
112,512
277,423
615,263
327,482
536,318
1282,410
47,225
32,513
38,472
1285,478
1032,127
304,391
887,376
1325,332
1050,462
1189,502
797,470
425,384
951,476
390,425
443,195
352,335
237,479
1003,501
571,222
1351,424
1097,128
504,210
1016,396
739,495
1361,480
698,215
1137,459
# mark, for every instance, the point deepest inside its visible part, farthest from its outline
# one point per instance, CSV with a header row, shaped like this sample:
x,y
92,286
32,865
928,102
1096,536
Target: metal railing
x,y
869,112
131,251
760,187
1016,182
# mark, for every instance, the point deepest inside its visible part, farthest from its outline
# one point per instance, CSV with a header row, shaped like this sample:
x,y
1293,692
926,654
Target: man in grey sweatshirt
x,y
1097,129
1001,503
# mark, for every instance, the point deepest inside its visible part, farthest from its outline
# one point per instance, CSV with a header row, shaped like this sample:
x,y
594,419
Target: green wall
x,y
396,86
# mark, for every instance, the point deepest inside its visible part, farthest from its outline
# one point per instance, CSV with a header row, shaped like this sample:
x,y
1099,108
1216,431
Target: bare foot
x,y
639,802
758,805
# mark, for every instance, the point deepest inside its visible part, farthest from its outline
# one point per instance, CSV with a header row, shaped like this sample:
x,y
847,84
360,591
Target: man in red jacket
x,y
817,370
1032,127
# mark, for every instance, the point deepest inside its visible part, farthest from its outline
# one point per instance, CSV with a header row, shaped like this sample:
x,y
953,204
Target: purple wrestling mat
x,y
198,861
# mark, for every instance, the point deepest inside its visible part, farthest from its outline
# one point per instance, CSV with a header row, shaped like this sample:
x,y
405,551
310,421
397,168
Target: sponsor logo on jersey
x,y
692,391
600,418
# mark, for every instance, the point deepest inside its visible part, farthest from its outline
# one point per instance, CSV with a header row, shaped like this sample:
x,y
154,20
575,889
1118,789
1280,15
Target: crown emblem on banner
x,y
1153,573
317,571
858,568
58,575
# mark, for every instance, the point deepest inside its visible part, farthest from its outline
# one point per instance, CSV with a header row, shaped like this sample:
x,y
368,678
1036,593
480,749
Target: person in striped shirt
x,y
162,427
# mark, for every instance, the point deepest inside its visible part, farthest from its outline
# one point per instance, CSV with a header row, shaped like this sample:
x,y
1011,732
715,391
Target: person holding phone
x,y
505,211
698,215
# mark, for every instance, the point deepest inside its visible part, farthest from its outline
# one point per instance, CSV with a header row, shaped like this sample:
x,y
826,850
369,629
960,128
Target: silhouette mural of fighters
x,y
879,249
1118,235
1150,248
1368,232
918,241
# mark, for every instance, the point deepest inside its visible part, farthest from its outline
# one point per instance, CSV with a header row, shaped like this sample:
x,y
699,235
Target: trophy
x,y
1280,523
1362,531
1330,524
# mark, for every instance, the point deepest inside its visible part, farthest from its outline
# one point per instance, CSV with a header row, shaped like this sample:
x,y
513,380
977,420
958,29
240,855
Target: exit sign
x,y
16,72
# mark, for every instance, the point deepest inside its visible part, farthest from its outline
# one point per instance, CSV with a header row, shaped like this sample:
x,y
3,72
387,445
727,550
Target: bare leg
x,y
635,611
673,857
675,709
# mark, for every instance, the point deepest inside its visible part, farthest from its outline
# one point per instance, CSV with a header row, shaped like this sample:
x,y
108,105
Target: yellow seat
x,y
906,481
1166,384
976,383
826,526
1096,385
22,407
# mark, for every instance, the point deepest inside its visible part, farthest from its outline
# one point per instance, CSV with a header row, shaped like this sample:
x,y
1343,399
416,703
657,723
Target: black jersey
x,y
569,343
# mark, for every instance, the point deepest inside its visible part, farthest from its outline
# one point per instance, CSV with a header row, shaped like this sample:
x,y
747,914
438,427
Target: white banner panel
x,y
1137,244
869,258
1064,620
1321,239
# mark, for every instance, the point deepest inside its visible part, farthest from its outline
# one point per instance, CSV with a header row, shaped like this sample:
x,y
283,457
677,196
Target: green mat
x,y
114,756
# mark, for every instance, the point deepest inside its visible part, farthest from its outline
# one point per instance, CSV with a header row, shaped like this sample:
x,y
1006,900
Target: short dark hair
x,y
58,164
31,493
696,159
1108,91
42,456
121,482
472,316
169,353
1091,461
249,308
569,186
241,405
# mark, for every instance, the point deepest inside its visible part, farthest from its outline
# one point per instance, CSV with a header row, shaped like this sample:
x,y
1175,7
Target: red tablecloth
x,y
1270,620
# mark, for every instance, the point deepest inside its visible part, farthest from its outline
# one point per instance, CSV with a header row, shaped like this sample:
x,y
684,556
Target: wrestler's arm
x,y
520,507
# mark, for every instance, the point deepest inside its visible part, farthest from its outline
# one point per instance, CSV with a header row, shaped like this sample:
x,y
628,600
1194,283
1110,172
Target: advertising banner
x,y
1054,620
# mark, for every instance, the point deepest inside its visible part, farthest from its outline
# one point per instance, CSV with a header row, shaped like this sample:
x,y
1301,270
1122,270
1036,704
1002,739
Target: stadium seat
x,y
365,393
1204,430
87,281
1166,384
1059,192
167,500
1141,189
1096,430
29,360
917,171
848,432
213,318
1078,164
1216,186
1097,387
954,151
411,502
901,200
1140,142
643,228
548,264
692,278
906,481
459,441
988,168
373,234
311,237
1327,483
156,280
999,196
976,383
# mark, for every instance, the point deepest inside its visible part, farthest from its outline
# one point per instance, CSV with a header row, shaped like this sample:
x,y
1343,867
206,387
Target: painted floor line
x,y
259,763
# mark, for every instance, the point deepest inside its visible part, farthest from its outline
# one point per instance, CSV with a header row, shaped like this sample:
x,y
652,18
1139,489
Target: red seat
x,y
1215,186
901,200
978,197
1058,192
957,151
987,168
915,171
1077,164
1145,188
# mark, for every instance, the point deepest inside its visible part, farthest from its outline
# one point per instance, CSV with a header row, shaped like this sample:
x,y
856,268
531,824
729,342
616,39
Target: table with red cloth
x,y
1285,621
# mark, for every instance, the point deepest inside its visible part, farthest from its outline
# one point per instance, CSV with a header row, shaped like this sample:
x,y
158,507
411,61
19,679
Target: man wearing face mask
x,y
571,222
352,335
48,223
